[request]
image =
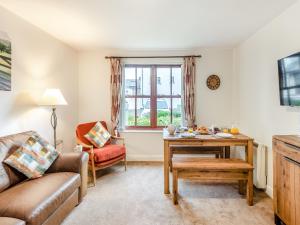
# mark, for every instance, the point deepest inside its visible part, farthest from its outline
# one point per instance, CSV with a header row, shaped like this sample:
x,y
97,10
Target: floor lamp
x,y
53,98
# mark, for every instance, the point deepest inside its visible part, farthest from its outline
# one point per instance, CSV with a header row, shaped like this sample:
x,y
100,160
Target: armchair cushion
x,y
108,152
98,135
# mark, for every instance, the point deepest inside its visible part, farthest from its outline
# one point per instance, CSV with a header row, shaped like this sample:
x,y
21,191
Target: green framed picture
x,y
5,62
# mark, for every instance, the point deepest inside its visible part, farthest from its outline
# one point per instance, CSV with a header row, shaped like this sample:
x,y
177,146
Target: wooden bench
x,y
213,169
187,149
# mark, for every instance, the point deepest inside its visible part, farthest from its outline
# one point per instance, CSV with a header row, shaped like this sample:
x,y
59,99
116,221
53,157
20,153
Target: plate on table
x,y
188,135
224,135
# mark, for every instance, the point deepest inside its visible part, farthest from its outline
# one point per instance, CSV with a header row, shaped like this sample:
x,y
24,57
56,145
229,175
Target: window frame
x,y
153,94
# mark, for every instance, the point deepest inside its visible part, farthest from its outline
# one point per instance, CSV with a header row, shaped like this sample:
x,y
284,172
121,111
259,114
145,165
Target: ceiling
x,y
148,24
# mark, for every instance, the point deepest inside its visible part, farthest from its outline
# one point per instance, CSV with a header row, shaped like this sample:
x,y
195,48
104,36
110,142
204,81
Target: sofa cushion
x,y
108,152
35,200
8,144
98,135
11,221
33,158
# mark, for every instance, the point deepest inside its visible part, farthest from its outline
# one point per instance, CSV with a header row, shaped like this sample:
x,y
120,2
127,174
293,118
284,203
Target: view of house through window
x,y
152,95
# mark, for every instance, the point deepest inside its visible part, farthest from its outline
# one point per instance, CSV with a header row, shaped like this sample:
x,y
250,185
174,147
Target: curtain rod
x,y
152,57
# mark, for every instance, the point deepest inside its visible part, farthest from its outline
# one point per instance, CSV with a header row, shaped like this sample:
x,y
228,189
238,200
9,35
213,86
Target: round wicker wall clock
x,y
213,82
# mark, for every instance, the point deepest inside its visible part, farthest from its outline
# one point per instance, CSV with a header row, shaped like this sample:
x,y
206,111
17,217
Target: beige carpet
x,y
136,197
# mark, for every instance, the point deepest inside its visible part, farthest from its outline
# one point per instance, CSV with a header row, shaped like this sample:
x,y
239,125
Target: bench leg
x,y
250,188
222,153
227,152
175,187
242,187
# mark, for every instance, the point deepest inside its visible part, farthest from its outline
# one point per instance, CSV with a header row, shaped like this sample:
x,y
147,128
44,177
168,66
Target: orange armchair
x,y
99,158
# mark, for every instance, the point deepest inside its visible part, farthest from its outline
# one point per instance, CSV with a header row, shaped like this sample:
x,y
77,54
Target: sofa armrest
x,y
76,163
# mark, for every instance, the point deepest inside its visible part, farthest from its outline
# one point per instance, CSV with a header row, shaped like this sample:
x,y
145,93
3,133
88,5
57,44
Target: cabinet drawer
x,y
291,151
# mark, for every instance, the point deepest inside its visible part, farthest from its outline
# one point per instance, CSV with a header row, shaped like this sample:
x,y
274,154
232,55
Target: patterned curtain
x,y
116,90
189,90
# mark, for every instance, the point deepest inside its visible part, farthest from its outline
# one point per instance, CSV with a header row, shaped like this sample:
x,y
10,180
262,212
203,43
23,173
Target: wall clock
x,y
213,82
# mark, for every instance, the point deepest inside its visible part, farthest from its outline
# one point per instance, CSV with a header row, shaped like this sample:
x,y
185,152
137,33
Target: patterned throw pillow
x,y
33,158
98,135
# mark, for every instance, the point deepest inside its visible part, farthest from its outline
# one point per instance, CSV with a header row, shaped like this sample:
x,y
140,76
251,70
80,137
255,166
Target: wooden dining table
x,y
205,141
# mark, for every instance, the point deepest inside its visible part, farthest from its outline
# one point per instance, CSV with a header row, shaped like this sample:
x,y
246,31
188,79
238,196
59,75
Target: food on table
x,y
202,130
234,130
225,130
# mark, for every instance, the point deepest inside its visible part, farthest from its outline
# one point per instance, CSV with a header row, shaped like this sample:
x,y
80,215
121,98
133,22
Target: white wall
x,y
38,61
212,107
257,93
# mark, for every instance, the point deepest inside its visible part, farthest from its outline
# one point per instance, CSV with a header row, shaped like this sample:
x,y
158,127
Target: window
x,y
152,96
158,80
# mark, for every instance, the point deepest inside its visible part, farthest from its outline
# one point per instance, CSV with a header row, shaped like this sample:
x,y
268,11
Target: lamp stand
x,y
54,124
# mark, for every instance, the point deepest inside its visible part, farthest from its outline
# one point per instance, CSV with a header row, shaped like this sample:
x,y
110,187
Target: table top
x,y
177,136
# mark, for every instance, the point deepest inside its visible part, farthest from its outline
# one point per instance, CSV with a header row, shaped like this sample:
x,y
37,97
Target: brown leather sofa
x,y
45,200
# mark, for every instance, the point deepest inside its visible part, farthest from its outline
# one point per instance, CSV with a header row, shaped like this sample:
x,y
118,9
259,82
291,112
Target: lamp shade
x,y
53,97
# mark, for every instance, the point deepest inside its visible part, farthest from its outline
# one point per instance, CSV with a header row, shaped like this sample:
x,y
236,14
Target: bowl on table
x,y
224,135
188,135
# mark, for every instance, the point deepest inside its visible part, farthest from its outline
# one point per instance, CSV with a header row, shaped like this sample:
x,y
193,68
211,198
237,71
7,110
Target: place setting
x,y
202,131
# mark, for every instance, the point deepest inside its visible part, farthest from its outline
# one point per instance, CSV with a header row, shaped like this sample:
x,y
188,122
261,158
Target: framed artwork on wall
x,y
5,62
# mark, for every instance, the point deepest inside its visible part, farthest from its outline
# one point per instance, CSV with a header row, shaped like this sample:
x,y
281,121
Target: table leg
x,y
170,159
250,188
249,152
166,167
222,153
249,159
227,152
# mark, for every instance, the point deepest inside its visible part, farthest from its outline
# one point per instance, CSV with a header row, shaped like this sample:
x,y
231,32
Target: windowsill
x,y
141,131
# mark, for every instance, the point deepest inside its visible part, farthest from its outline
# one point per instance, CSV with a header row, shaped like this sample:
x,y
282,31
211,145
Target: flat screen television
x,y
289,80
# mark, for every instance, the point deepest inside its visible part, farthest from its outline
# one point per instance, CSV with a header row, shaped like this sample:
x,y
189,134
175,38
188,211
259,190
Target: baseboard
x,y
269,191
135,157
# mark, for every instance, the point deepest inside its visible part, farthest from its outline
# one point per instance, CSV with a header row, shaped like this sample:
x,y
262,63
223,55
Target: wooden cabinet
x,y
286,162
297,193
